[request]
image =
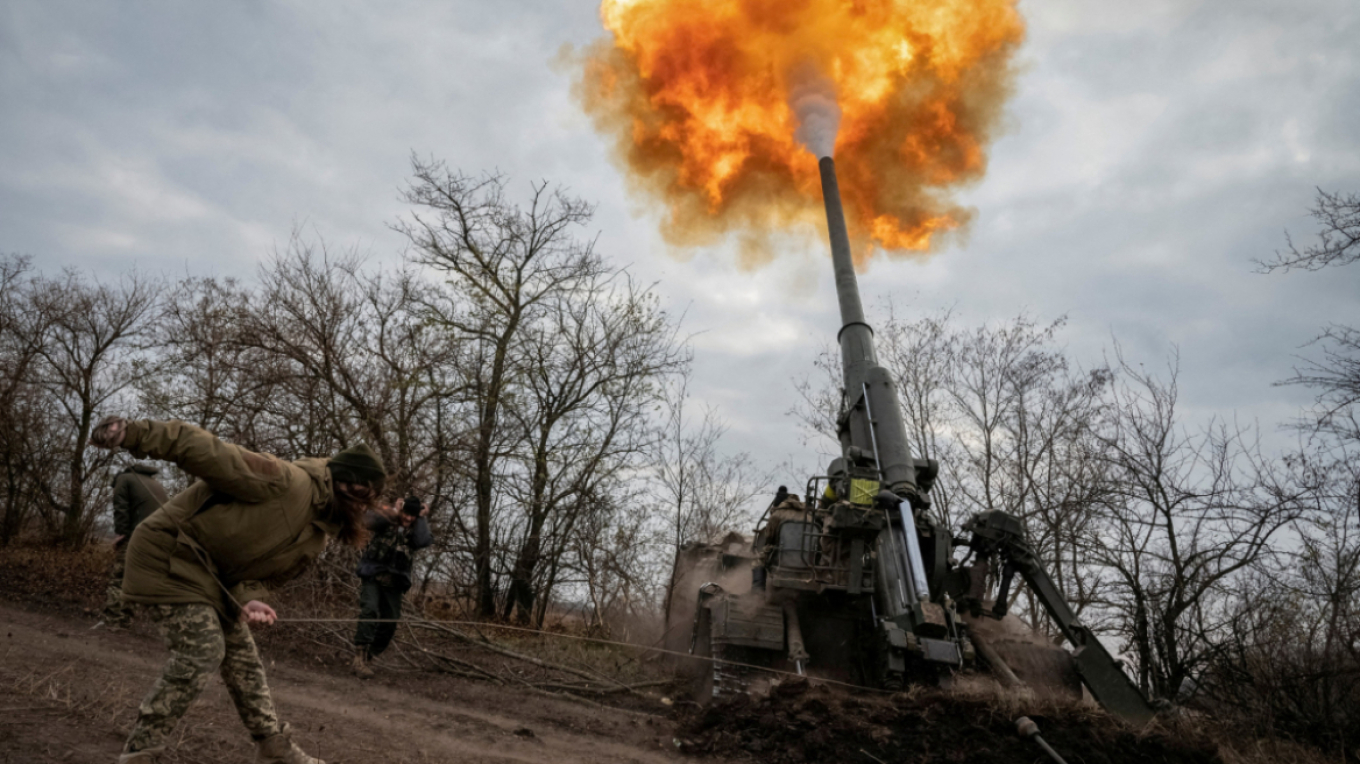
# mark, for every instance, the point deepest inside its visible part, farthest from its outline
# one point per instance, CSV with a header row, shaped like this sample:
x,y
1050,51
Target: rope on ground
x,y
436,626
487,643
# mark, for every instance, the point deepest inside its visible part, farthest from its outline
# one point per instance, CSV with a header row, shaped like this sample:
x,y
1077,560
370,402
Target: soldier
x,y
203,563
786,507
136,494
399,530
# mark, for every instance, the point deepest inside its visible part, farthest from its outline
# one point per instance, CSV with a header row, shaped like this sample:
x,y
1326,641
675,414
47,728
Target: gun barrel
x,y
856,337
847,288
868,386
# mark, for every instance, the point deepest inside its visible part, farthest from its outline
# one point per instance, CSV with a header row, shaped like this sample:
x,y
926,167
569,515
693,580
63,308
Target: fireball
x,y
706,102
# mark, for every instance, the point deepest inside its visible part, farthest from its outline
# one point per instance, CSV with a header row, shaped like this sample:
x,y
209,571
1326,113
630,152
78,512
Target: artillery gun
x,y
858,581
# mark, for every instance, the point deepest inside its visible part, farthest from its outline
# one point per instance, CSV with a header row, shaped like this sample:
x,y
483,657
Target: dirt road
x,y
69,695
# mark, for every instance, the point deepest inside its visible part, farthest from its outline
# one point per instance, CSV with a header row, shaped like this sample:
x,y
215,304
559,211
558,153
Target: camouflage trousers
x,y
200,644
117,613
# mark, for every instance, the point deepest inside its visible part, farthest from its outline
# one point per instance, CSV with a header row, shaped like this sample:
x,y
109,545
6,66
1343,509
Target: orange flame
x,y
696,94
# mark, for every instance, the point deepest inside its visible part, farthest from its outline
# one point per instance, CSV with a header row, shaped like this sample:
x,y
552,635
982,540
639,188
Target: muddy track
x,y
69,695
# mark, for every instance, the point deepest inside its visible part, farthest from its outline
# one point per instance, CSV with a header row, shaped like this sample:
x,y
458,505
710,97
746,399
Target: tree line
x,y
505,370
538,396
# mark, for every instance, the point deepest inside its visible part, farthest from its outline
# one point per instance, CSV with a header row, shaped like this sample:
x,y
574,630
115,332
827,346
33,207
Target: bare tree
x,y
593,370
704,492
710,492
503,266
208,374
1338,242
1336,376
611,549
920,356
29,453
1290,660
88,356
1190,513
352,354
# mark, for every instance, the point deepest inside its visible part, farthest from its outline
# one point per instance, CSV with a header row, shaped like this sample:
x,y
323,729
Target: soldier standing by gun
x,y
786,507
250,523
136,494
399,531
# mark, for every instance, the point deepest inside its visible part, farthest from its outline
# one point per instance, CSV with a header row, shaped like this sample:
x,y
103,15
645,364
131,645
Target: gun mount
x,y
858,580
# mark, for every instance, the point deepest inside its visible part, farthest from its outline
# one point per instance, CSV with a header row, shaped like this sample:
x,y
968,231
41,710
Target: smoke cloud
x,y
813,100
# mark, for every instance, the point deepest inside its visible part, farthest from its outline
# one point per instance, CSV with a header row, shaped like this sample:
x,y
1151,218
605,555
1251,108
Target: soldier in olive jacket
x,y
136,494
204,563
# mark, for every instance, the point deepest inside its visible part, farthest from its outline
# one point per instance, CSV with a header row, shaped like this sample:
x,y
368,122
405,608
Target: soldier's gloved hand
x,y
257,612
109,433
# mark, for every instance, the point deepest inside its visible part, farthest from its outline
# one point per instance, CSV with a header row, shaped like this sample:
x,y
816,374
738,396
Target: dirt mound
x,y
801,724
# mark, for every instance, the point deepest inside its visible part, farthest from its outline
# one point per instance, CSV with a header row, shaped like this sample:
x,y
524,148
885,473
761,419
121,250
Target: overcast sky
x,y
1154,149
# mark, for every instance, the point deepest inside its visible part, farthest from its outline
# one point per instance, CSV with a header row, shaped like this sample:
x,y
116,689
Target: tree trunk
x,y
521,594
486,434
486,596
72,532
9,524
1142,646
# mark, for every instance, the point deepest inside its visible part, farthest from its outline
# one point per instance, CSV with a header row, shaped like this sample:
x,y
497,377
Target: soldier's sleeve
x,y
250,590
122,512
420,534
235,471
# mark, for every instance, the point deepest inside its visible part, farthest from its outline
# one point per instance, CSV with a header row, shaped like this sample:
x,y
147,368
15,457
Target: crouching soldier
x,y
136,494
399,530
203,563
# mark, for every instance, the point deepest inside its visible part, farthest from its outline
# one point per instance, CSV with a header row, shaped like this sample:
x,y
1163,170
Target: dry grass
x,y
68,691
1237,751
49,575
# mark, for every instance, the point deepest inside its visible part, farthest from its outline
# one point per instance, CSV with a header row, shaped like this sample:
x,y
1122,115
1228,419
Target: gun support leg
x,y
1001,605
999,667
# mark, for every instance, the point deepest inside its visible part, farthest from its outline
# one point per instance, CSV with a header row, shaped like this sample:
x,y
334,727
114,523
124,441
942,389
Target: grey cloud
x,y
1155,149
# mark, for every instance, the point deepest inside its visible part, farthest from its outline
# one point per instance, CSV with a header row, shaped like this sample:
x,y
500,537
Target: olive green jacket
x,y
250,523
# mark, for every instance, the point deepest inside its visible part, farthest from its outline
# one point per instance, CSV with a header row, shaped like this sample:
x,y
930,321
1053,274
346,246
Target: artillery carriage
x,y
857,581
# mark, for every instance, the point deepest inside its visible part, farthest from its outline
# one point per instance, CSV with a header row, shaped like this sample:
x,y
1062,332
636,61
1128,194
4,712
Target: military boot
x,y
362,665
141,757
280,749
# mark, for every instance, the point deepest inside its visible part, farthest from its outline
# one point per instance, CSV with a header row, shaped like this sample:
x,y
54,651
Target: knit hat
x,y
358,464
